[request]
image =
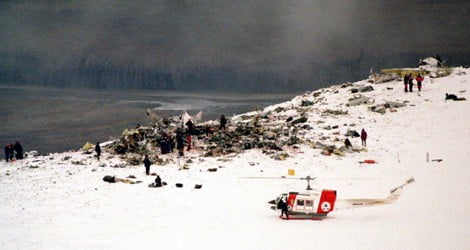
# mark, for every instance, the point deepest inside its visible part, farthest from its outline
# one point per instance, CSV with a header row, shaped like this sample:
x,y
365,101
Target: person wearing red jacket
x,y
419,80
363,137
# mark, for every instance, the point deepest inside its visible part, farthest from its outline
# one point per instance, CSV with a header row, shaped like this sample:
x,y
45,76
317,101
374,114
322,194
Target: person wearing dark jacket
x,y
223,122
98,150
158,181
419,80
8,152
147,164
405,82
190,127
284,208
180,143
18,150
410,82
363,137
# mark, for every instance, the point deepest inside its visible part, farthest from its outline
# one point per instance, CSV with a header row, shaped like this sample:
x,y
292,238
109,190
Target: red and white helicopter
x,y
317,204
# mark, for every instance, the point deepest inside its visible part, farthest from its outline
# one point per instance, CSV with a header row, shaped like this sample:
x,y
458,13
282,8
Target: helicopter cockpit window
x,y
281,197
300,202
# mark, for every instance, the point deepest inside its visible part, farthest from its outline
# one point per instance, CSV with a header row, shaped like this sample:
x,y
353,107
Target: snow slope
x,y
60,201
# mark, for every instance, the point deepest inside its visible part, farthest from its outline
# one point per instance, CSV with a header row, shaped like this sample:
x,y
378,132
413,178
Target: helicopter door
x,y
309,205
304,205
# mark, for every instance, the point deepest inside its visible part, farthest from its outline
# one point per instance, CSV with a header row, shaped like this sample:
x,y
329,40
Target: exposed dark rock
x,y
299,120
366,89
279,109
110,179
335,112
352,133
306,103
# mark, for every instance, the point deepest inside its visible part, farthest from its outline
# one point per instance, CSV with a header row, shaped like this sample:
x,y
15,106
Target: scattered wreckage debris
x,y
358,99
334,112
272,130
432,66
382,77
382,108
113,179
368,162
249,133
362,89
155,185
32,153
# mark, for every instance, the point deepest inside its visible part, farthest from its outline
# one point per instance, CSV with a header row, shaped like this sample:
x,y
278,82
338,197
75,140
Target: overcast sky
x,y
276,34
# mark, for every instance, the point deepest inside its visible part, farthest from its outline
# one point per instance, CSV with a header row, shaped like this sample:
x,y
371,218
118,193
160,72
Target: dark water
x,y
55,120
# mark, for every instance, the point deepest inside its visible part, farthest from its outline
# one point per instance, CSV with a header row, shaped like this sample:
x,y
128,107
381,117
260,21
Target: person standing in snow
x,y
363,137
284,208
419,80
223,122
180,143
12,152
410,82
405,82
7,152
18,150
189,140
190,126
147,164
98,150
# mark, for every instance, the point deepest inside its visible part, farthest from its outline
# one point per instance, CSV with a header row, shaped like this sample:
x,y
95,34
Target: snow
x,y
65,204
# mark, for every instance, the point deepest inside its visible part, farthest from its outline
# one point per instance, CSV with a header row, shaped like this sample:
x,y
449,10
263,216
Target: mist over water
x,y
56,120
243,46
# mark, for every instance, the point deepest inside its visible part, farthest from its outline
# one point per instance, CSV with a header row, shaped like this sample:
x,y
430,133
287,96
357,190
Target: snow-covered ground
x,y
51,202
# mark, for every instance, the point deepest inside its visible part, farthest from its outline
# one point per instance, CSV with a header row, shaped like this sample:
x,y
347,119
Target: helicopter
x,y
317,204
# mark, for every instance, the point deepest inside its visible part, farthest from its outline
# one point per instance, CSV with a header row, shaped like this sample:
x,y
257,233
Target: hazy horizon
x,y
243,46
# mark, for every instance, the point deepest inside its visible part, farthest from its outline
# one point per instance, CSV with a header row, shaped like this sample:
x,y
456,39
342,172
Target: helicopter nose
x,y
272,202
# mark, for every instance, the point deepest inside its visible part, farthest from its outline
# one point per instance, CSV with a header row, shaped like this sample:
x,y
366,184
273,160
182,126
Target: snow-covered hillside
x,y
60,201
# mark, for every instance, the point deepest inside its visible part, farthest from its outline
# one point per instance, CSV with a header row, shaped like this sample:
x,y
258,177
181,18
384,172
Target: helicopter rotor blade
x,y
275,177
262,177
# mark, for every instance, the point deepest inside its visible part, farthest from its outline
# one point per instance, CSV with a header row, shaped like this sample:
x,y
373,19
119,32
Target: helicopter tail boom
x,y
355,203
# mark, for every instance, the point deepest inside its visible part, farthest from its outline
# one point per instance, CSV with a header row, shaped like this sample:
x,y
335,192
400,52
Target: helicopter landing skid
x,y
301,218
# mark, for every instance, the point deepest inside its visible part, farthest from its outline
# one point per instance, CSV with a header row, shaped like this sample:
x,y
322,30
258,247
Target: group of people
x,y
14,151
348,144
183,137
408,82
167,143
158,181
